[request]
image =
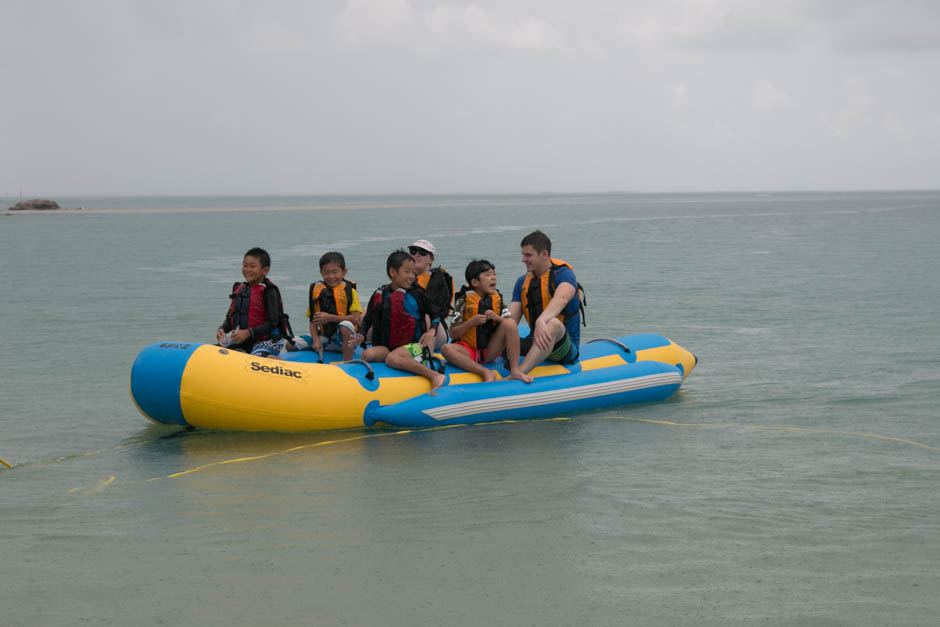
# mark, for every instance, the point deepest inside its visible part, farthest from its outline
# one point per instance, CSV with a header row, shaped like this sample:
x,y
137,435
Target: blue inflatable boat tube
x,y
202,385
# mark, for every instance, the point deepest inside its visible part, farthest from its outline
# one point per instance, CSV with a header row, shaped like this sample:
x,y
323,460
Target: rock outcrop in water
x,y
35,205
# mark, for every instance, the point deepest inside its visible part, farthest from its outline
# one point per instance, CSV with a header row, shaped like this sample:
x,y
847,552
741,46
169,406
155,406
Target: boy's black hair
x,y
537,240
396,259
261,255
475,268
333,257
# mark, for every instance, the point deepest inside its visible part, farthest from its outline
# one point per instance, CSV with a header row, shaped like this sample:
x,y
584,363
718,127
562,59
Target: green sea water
x,y
791,481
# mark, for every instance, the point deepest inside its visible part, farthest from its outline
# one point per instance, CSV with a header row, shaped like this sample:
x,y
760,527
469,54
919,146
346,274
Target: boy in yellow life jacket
x,y
481,327
333,307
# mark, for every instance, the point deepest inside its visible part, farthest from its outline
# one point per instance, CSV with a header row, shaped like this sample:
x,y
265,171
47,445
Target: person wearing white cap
x,y
437,284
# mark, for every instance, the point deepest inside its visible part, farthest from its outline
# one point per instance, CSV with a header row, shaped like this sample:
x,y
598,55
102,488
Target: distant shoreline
x,y
173,205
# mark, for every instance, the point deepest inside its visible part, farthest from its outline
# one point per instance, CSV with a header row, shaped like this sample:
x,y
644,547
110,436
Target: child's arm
x,y
491,316
366,324
321,317
315,342
354,314
224,328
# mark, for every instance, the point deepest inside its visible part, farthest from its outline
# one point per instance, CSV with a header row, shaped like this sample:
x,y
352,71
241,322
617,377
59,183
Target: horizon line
x,y
51,196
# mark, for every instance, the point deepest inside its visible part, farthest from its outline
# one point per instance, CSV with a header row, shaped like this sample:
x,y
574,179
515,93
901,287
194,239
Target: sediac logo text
x,y
284,372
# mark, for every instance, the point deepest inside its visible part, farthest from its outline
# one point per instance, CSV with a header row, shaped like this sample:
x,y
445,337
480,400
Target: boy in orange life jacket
x,y
482,327
397,315
333,307
255,322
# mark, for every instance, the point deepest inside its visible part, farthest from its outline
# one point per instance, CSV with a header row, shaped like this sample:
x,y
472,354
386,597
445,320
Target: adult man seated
x,y
547,295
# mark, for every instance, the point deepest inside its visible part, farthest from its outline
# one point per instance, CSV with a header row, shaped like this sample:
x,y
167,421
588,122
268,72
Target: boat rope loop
x,y
429,357
371,374
612,341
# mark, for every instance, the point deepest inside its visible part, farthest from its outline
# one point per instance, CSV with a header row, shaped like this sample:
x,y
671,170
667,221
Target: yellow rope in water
x,y
667,423
5,463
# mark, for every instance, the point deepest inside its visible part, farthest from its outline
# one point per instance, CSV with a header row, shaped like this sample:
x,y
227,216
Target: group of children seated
x,y
407,320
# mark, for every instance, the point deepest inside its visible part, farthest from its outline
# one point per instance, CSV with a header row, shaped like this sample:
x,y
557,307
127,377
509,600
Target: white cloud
x,y
766,96
451,23
708,24
376,21
276,37
877,25
679,96
391,22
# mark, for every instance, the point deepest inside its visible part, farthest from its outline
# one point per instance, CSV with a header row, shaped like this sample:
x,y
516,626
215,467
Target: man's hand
x,y
542,336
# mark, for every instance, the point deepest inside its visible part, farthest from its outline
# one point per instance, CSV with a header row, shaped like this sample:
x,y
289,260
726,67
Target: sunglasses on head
x,y
418,251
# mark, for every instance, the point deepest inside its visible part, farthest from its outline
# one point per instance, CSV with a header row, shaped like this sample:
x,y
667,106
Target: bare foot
x,y
489,376
436,382
518,375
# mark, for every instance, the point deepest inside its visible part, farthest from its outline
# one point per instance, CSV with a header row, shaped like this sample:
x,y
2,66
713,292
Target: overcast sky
x,y
428,96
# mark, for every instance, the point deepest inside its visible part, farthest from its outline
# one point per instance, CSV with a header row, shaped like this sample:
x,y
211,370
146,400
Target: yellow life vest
x,y
478,337
333,301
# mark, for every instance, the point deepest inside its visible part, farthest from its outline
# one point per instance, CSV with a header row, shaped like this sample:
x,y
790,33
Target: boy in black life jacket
x,y
333,307
255,322
397,315
481,326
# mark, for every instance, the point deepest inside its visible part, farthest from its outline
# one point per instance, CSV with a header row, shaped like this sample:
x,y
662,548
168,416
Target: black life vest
x,y
537,292
439,287
248,310
392,326
332,301
479,336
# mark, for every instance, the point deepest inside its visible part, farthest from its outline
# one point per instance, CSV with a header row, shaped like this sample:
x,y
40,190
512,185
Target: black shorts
x,y
563,352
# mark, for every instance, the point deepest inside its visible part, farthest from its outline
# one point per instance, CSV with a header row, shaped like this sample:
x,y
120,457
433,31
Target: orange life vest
x,y
537,292
478,337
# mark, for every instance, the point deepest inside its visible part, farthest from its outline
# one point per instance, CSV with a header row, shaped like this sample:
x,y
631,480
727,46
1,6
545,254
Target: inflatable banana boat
x,y
210,387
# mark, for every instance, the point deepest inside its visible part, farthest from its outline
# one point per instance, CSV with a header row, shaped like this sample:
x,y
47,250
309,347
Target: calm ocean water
x,y
792,481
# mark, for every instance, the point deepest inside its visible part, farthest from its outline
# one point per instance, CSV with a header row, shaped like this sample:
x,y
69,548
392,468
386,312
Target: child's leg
x,y
460,357
403,359
506,336
348,350
375,353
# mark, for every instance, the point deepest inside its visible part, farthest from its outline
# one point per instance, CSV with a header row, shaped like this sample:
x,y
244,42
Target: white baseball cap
x,y
423,244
